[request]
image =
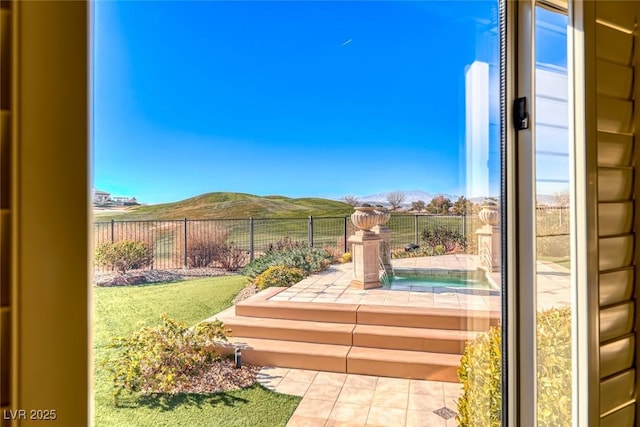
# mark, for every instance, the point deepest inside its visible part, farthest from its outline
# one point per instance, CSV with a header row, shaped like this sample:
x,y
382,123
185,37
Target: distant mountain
x,y
541,199
235,206
409,197
546,199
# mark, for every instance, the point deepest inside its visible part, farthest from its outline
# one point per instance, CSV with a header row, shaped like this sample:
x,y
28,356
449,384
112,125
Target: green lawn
x,y
561,261
120,310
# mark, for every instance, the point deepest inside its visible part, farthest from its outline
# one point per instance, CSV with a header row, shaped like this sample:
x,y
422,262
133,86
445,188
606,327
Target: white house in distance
x,y
101,198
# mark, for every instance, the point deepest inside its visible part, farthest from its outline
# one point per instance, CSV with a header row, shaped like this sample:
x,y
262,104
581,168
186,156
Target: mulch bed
x,y
245,293
222,376
139,277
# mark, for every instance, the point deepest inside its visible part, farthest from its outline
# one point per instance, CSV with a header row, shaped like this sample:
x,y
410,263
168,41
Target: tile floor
x,y
333,399
333,285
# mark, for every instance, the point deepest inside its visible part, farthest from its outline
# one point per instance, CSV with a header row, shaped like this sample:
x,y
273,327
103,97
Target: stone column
x,y
489,243
365,251
384,233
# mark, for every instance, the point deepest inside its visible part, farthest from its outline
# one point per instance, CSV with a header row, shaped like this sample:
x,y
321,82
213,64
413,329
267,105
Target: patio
x,y
333,286
338,399
360,392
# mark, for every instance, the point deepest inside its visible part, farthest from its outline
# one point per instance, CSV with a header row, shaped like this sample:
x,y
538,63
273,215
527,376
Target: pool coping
x,y
334,286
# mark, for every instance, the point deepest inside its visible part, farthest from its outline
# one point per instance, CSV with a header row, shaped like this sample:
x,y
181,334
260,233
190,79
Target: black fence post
x,y
345,234
112,233
310,231
250,239
415,229
185,243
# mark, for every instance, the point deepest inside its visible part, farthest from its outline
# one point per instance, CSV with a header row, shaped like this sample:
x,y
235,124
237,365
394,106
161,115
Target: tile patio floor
x,y
332,285
335,399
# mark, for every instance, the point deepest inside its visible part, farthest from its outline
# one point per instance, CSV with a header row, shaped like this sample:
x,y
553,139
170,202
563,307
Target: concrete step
x,y
290,354
433,318
416,317
260,306
346,359
290,330
414,339
374,336
393,341
403,364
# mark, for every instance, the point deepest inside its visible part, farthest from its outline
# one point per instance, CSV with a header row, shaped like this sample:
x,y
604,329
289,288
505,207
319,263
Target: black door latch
x,y
520,115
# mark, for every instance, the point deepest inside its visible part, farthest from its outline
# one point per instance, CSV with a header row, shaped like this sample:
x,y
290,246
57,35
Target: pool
x,y
436,280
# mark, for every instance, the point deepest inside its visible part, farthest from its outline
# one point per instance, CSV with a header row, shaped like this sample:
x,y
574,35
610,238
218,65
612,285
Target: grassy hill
x,y
233,206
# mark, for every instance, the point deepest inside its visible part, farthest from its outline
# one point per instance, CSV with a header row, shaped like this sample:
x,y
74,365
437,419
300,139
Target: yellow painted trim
x,y
50,277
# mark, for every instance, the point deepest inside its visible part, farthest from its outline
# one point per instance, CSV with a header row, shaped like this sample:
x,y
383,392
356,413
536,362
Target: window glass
x,y
249,126
553,254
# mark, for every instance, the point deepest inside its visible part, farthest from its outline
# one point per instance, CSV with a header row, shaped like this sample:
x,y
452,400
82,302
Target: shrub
x,y
124,255
418,252
207,246
279,275
554,367
346,257
162,358
230,257
310,260
480,374
450,240
336,252
285,243
204,248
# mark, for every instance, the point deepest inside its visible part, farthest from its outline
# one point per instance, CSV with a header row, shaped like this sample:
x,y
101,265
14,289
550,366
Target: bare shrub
x,y
208,246
204,246
286,242
230,257
335,251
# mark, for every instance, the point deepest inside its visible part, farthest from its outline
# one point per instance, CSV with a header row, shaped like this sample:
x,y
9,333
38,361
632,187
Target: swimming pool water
x,y
426,281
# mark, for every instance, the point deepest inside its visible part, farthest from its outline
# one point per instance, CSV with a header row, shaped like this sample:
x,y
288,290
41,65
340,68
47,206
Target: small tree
x,y
395,199
562,198
418,206
462,206
350,199
439,205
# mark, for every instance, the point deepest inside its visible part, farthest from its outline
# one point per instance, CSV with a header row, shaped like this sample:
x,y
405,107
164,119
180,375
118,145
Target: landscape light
x,y
238,358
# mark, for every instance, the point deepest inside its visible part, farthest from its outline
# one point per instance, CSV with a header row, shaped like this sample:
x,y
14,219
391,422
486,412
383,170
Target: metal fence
x,y
173,240
552,221
552,232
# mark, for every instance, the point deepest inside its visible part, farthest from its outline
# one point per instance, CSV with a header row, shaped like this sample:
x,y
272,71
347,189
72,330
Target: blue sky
x,y
293,98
